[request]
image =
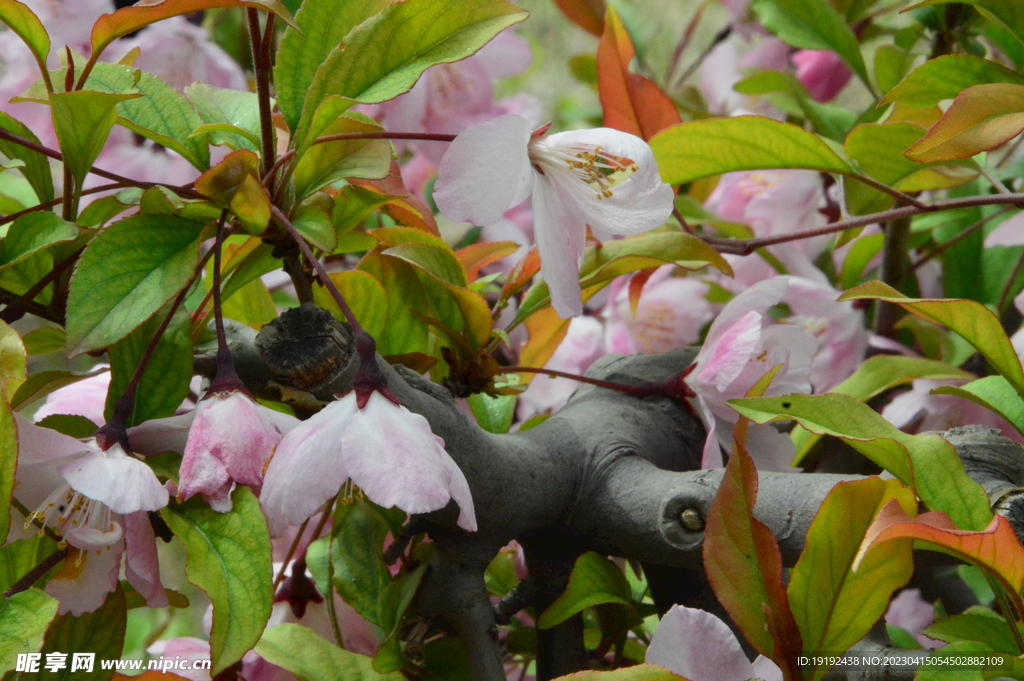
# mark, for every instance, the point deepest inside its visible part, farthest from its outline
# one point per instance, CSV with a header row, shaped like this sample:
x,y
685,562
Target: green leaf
x,y
83,120
13,361
981,118
39,385
991,392
356,547
20,556
403,331
813,25
881,372
8,464
164,383
234,108
494,414
363,293
891,65
325,163
594,580
307,655
252,304
946,77
110,27
833,605
23,21
828,120
24,618
34,232
44,340
878,148
127,273
975,624
37,167
75,425
385,55
926,463
439,261
354,204
100,632
1009,14
614,258
322,26
972,320
228,557
690,151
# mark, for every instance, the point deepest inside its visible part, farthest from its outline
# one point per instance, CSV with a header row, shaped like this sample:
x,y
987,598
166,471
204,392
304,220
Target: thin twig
x,y
126,181
719,37
291,552
748,246
261,67
682,221
36,573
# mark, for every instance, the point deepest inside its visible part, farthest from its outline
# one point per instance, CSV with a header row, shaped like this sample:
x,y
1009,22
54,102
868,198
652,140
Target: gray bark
x,y
609,473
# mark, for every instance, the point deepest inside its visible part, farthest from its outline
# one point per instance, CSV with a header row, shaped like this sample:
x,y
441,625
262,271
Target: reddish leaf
x,y
982,117
110,27
744,566
994,549
547,330
587,14
480,255
521,273
406,208
636,287
631,102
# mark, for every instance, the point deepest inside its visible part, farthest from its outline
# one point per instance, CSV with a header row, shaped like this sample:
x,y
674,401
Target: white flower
x,y
97,502
385,449
602,178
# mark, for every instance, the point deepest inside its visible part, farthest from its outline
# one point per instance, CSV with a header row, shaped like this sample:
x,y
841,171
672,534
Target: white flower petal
x,y
157,436
38,445
124,484
758,297
393,456
485,171
307,469
560,235
699,646
85,578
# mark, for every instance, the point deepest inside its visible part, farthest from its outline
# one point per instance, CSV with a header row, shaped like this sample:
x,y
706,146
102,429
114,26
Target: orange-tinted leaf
x,y
743,563
110,27
631,102
636,287
587,14
480,255
522,273
982,117
251,203
547,330
994,549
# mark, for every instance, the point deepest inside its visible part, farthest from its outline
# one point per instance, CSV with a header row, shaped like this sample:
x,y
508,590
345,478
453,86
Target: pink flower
x,y
97,501
822,72
671,313
917,410
773,203
912,613
742,346
181,53
838,326
385,449
227,439
84,398
581,347
700,647
605,179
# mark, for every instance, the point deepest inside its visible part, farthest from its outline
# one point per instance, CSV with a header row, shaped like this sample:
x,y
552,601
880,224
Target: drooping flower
x,y
700,647
822,72
96,501
386,450
603,179
742,345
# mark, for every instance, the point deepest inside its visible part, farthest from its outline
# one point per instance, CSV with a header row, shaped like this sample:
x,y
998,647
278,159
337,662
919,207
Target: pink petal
x,y
758,298
1010,232
393,456
486,171
307,469
157,436
84,398
124,484
38,445
698,646
142,567
730,352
